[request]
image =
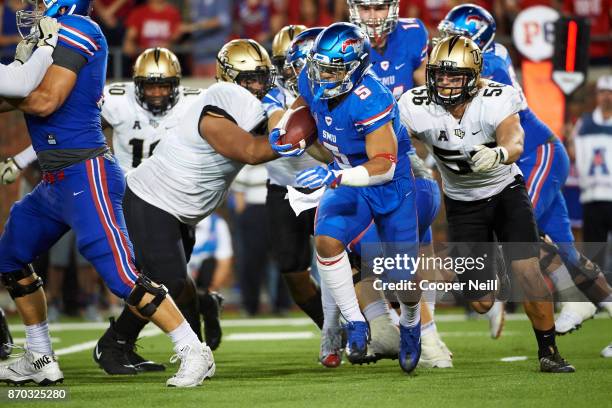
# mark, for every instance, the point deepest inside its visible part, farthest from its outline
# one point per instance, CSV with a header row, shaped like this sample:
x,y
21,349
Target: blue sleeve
x,y
372,106
272,101
79,34
420,40
304,87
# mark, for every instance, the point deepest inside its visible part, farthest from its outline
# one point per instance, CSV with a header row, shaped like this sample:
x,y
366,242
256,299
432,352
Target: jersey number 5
x,y
362,92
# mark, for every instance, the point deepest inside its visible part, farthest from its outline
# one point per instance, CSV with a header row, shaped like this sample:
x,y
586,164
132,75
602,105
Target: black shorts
x,y
506,217
290,234
162,244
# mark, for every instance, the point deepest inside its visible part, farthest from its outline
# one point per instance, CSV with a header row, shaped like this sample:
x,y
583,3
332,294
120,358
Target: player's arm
x,y
418,76
229,140
21,77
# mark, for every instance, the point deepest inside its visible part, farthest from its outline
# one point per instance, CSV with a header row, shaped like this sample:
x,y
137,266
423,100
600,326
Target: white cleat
x,y
607,352
434,353
197,364
41,369
385,338
497,318
572,315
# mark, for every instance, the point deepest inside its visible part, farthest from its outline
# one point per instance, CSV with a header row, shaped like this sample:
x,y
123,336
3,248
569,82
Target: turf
x,y
284,373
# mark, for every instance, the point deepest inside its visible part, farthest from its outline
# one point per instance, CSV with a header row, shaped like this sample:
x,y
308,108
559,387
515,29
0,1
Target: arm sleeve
x,y
78,37
26,157
236,103
224,241
421,44
18,81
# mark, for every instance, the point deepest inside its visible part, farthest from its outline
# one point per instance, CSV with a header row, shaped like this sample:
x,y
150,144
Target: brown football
x,y
301,129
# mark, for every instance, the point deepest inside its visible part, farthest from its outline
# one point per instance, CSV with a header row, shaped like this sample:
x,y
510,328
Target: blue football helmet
x,y
297,55
28,19
337,61
470,20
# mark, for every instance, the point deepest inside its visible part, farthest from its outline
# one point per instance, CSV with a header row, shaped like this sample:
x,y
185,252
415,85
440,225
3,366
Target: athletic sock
x,y
313,307
183,335
411,315
128,326
37,338
429,328
331,313
429,295
546,341
337,275
376,309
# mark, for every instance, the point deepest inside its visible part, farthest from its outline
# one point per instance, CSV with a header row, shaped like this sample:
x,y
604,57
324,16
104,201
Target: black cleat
x,y
139,362
6,340
211,304
554,363
111,353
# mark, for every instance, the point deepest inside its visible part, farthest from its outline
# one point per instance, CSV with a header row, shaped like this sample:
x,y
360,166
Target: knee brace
x,y
16,289
146,285
549,252
583,274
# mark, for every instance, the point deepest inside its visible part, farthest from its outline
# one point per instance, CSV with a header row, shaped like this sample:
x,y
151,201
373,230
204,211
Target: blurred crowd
x,y
203,26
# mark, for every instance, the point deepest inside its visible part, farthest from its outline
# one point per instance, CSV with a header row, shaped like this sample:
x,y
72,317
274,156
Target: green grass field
x,y
284,372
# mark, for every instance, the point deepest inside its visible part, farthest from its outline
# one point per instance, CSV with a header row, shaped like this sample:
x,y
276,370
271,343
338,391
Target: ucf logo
x,y
442,136
459,133
136,125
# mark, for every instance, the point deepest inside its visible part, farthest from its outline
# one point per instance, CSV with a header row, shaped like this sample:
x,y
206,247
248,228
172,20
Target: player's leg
x,y
515,224
102,238
342,215
31,229
399,235
292,251
385,337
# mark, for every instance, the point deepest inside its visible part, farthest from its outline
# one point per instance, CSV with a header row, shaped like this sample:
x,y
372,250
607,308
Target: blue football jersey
x,y
497,66
406,49
76,124
343,130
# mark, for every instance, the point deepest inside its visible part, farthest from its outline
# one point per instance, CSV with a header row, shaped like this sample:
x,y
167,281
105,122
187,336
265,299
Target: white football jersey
x,y
136,131
451,141
186,177
282,171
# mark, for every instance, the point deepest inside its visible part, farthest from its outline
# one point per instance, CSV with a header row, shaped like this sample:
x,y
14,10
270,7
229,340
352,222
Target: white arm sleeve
x,y
25,157
18,81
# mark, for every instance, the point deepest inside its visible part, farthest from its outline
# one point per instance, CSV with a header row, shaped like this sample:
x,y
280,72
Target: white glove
x,y
8,171
24,50
487,158
47,32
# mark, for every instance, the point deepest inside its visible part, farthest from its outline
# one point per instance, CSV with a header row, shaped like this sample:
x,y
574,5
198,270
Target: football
x,y
301,128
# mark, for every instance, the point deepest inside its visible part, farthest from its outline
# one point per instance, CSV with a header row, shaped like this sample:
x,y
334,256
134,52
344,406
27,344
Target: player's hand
x,y
487,158
48,32
24,50
8,171
285,150
316,177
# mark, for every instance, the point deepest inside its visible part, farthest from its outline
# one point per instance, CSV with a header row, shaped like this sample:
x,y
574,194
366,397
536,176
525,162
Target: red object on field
x,y
301,129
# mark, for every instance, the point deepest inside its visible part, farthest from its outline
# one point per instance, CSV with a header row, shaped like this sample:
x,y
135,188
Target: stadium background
x,y
196,29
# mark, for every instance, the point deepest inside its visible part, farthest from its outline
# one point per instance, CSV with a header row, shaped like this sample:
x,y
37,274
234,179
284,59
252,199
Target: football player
x,y
544,163
358,126
82,189
473,130
400,68
292,251
188,176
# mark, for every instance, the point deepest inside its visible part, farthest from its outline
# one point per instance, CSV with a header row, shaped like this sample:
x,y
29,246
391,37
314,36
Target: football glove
x,y
24,50
319,176
48,29
285,150
8,171
487,158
